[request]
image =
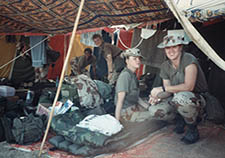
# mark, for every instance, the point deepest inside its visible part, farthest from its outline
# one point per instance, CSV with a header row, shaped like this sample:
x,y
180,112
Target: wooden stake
x,y
62,74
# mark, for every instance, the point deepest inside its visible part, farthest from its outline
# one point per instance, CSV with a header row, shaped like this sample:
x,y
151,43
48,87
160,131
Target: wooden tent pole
x,y
65,48
62,74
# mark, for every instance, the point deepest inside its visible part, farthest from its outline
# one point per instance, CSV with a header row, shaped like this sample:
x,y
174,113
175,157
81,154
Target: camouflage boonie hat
x,y
131,52
173,38
185,99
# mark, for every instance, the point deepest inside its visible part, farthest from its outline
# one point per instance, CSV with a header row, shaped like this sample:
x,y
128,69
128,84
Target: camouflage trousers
x,y
135,114
74,68
189,105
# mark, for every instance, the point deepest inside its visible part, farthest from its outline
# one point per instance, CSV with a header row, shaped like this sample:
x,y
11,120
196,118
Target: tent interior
x,y
120,22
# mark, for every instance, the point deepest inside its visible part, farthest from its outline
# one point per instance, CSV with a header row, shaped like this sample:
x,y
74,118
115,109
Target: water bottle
x,y
57,82
29,98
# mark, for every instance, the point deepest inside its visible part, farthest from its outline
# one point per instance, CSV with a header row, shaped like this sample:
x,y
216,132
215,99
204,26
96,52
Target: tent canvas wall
x,y
56,17
7,52
58,43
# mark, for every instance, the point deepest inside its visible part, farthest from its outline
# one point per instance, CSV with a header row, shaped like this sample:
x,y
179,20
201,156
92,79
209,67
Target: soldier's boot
x,y
180,124
192,134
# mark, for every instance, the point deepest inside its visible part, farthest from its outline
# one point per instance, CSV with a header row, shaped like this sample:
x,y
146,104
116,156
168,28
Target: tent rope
x,y
139,43
23,53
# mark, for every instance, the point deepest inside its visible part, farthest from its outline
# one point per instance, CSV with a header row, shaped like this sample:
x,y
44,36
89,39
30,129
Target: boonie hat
x,y
173,38
187,98
131,52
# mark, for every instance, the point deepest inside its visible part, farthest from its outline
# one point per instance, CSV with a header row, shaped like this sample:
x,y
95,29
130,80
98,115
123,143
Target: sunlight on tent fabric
x,y
7,53
195,36
76,51
200,4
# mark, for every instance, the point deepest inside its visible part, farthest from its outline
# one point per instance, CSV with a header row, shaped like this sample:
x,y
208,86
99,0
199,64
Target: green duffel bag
x,y
29,129
69,92
62,123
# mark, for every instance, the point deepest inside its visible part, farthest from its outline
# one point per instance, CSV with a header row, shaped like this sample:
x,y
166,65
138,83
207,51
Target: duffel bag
x,y
28,129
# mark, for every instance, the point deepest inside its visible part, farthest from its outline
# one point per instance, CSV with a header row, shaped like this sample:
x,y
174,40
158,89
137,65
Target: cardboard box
x,y
42,109
45,108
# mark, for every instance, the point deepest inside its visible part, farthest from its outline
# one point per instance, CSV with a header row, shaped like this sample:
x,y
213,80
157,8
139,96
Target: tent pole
x,y
62,74
64,51
195,35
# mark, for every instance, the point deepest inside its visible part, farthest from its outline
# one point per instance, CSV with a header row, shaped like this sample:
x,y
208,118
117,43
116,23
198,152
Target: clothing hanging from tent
x,y
153,55
38,53
57,44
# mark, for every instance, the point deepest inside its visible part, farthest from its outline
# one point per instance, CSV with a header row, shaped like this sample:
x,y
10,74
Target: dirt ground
x,y
6,151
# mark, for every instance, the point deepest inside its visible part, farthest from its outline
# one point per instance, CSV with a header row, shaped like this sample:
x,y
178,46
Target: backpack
x,y
47,95
2,132
7,129
8,111
87,91
3,103
214,109
29,129
69,92
12,111
104,89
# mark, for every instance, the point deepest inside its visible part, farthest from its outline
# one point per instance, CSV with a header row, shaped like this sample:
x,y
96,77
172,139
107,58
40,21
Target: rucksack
x,y
3,103
2,132
104,89
69,92
7,122
47,95
7,129
214,110
28,129
87,91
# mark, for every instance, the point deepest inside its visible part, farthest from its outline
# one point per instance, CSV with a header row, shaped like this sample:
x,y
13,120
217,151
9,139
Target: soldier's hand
x,y
153,100
155,91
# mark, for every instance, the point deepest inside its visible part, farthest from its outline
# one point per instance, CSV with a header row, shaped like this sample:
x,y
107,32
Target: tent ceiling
x,y
57,16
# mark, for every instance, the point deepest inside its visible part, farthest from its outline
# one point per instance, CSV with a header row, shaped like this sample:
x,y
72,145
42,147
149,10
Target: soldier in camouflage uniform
x,y
129,106
184,79
78,64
